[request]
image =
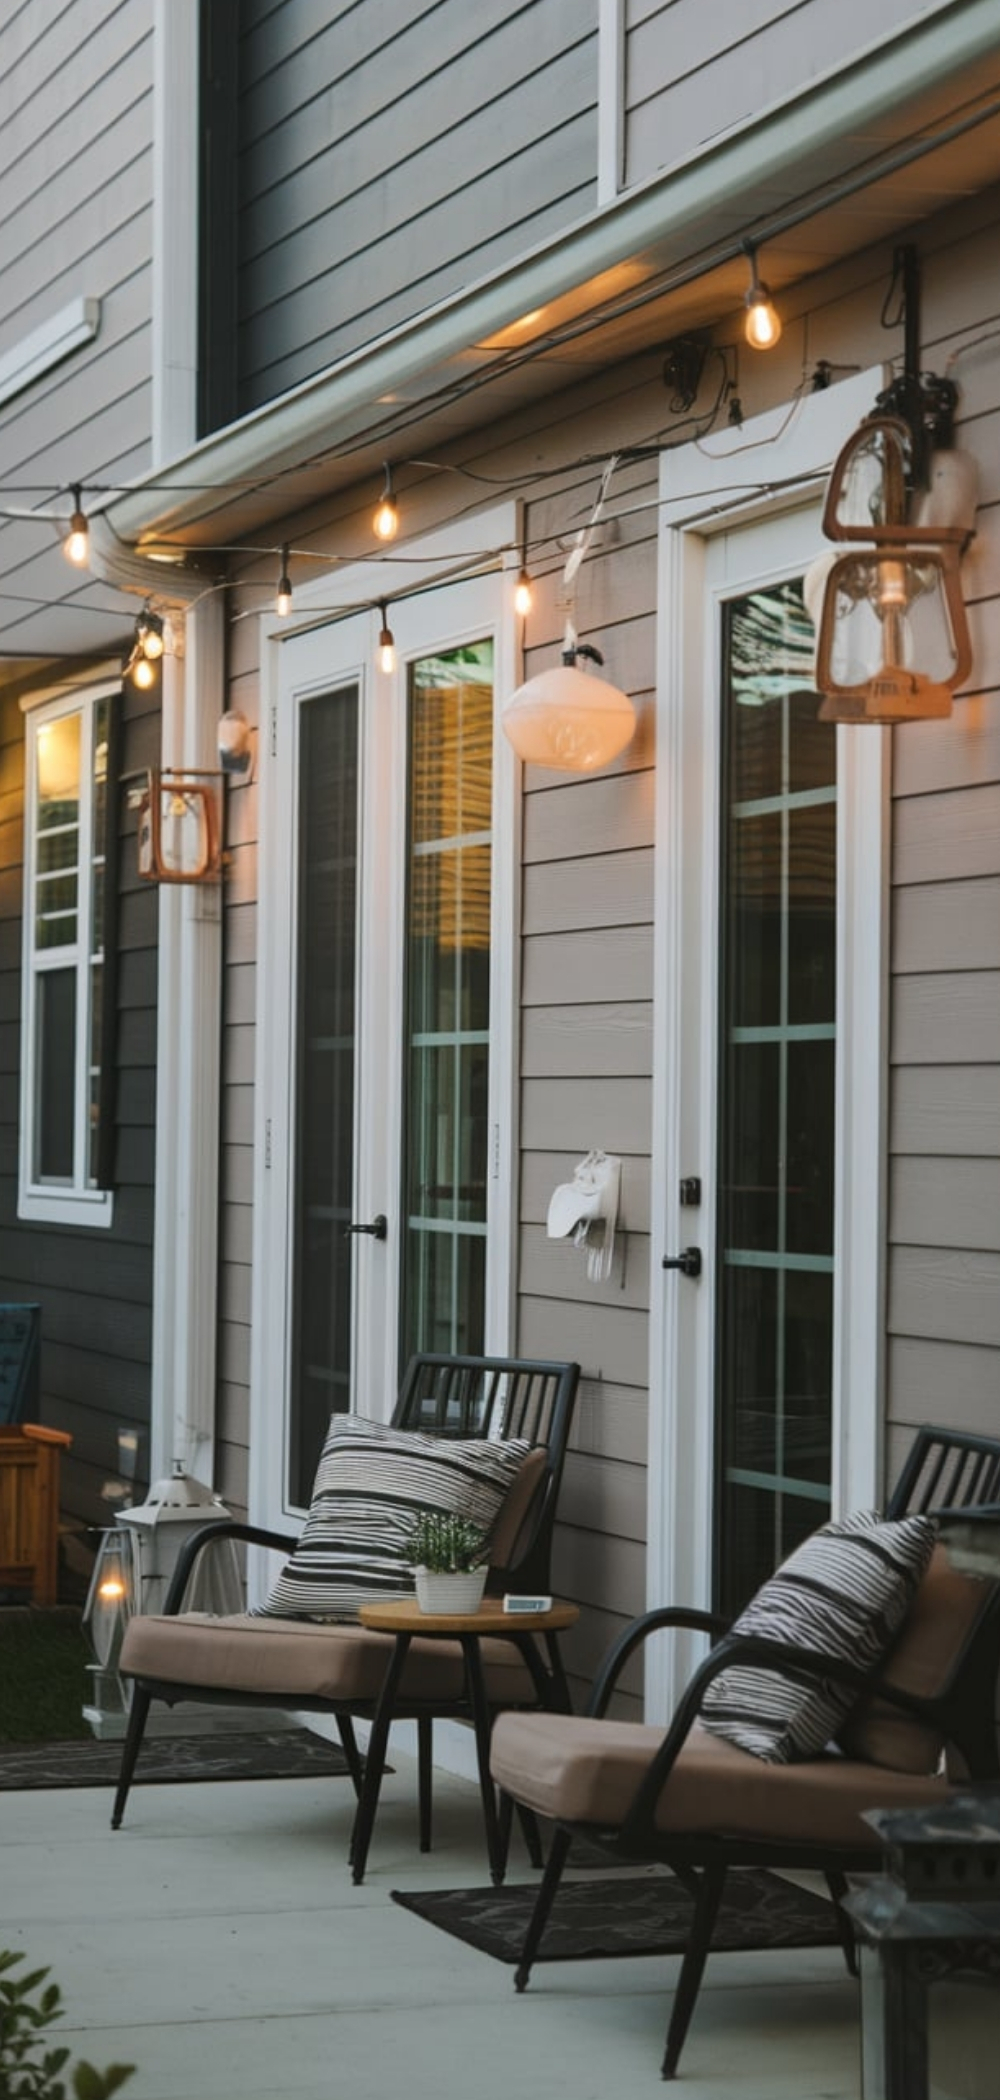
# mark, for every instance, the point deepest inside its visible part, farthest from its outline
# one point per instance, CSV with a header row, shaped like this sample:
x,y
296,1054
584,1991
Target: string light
x,y
149,634
283,601
147,649
762,326
386,642
523,593
385,523
76,545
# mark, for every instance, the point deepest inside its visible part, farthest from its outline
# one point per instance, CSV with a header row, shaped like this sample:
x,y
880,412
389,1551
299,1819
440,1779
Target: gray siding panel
x,y
75,221
390,154
694,72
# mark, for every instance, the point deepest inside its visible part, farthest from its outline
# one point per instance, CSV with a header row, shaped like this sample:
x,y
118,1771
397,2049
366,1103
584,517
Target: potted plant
x,y
451,1562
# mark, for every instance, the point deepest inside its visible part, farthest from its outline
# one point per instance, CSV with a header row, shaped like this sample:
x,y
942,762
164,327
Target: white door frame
x,y
703,492
324,645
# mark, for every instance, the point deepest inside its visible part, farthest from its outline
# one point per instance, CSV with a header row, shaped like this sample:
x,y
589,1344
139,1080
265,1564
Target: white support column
x,y
185,1231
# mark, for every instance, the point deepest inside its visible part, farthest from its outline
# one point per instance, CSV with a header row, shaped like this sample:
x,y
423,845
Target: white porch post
x,y
188,1087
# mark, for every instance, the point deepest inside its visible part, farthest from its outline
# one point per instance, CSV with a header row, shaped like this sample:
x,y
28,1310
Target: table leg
x,y
364,1819
495,1845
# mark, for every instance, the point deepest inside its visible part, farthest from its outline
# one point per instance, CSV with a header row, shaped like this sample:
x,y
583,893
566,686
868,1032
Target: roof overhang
x,y
898,133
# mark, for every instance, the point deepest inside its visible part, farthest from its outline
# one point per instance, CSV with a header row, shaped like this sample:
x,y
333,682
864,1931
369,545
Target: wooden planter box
x,y
29,1509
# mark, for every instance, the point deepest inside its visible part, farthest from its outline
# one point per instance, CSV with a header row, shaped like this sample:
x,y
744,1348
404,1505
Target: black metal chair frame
x,y
441,1395
946,1472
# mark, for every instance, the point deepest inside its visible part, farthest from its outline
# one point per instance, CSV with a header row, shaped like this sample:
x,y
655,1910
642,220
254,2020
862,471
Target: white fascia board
x,y
47,345
689,203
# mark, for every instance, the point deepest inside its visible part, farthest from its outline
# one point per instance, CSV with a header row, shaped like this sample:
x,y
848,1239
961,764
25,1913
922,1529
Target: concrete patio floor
x,y
216,1941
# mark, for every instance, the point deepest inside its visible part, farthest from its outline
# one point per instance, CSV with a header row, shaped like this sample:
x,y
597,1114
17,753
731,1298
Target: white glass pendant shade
x,y
893,639
568,719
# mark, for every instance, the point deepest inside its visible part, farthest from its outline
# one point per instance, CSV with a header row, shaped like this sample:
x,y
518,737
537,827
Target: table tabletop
x,y
403,1615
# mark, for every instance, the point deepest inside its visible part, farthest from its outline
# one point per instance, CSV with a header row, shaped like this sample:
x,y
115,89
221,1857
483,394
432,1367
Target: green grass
x,y
43,1675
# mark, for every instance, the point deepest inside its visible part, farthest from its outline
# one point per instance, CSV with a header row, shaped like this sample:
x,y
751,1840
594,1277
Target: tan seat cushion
x,y
586,1771
937,1626
288,1658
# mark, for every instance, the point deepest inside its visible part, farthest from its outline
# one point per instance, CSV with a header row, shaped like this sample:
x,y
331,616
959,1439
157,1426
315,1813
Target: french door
x,y
385,1131
768,1142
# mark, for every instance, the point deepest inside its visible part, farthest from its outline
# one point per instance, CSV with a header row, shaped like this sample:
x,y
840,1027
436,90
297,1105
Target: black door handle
x,y
377,1229
689,1263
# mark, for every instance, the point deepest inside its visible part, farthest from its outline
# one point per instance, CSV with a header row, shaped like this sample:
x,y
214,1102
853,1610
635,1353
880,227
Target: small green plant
x,y
28,2069
447,1545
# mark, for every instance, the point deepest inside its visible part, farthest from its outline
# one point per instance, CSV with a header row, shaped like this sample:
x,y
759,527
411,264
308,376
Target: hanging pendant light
x,y
568,719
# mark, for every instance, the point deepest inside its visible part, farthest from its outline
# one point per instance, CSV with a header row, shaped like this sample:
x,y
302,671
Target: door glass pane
x,y
447,1001
776,1087
324,1076
56,1075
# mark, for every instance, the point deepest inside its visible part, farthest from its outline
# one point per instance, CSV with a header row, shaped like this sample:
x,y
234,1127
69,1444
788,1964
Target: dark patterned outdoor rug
x,y
646,1913
166,1760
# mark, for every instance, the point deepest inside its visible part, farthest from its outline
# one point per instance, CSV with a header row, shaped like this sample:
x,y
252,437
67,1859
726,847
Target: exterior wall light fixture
x,y
180,826
568,719
893,636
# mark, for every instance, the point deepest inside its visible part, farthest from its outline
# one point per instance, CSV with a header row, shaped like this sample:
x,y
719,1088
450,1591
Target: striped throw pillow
x,y
370,1484
844,1593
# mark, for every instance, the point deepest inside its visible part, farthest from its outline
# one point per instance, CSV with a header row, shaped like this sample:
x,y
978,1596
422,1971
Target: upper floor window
x,y
62,1177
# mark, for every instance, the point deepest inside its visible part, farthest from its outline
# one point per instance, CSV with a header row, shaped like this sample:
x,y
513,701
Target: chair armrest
x,y
639,1630
752,1650
206,1535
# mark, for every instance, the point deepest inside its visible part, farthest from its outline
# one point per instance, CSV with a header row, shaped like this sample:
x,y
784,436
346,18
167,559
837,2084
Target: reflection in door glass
x,y
324,1076
447,1001
776,1086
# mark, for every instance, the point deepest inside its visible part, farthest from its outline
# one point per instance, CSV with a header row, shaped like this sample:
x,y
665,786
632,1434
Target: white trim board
x,y
47,345
705,494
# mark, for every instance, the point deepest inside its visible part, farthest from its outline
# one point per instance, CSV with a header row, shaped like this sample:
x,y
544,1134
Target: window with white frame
x,y
65,868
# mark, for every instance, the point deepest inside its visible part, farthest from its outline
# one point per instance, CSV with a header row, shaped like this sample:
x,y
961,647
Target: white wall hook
x,y
586,1211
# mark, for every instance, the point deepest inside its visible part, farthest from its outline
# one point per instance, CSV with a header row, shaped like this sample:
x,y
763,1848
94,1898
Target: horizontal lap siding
x,y
586,1058
75,221
390,154
943,1304
694,72
94,1286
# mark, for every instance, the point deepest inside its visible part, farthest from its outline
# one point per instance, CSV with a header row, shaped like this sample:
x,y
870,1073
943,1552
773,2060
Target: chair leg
x,y
702,1924
544,1900
134,1733
349,1746
837,1885
425,1769
530,1832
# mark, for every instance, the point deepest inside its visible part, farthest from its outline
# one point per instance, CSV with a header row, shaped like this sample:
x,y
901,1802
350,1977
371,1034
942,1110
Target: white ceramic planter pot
x,y
462,1592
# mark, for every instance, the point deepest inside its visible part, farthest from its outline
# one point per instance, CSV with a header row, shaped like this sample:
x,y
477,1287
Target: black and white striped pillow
x,y
844,1593
370,1483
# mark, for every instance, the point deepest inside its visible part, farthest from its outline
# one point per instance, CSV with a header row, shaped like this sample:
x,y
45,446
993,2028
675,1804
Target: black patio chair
x,y
338,1669
686,1797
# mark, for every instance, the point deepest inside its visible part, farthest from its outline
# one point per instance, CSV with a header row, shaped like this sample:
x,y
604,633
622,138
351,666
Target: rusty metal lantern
x,y
893,639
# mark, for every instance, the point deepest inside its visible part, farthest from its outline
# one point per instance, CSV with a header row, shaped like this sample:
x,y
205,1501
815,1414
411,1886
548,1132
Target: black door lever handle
x,y
689,1263
377,1229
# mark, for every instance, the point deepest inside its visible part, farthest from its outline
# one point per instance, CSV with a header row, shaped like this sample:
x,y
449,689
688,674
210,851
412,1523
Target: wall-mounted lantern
x,y
180,826
893,636
893,640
